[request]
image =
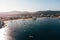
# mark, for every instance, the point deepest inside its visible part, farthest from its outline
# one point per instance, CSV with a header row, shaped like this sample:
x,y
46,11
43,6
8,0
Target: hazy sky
x,y
29,5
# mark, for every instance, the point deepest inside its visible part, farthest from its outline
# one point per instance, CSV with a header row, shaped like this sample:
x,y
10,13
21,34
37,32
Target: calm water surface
x,y
28,29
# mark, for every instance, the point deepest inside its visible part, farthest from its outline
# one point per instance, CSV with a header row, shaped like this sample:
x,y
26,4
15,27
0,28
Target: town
x,y
27,15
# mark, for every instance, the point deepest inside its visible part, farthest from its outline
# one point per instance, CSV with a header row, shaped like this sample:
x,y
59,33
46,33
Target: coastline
x,y
27,18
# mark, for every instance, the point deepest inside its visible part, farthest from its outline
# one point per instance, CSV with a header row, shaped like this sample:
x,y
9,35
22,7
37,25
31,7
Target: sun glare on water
x,y
5,33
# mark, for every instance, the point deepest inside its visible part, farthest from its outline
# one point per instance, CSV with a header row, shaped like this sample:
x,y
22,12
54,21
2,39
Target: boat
x,y
59,17
34,18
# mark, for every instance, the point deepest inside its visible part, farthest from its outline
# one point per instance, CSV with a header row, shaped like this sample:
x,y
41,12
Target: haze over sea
x,y
29,29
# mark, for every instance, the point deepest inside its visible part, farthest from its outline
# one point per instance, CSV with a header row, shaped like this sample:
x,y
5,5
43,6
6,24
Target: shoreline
x,y
27,18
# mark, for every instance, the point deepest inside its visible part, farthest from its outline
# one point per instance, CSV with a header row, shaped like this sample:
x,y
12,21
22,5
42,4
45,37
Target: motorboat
x,y
34,18
59,17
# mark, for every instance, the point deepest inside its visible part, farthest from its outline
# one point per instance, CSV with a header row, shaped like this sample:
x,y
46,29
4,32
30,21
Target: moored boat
x,y
59,17
34,18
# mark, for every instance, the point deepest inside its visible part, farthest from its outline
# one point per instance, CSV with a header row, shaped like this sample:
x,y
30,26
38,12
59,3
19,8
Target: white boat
x,y
59,17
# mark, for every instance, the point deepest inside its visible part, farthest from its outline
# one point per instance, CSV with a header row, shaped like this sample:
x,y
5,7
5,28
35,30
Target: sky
x,y
29,5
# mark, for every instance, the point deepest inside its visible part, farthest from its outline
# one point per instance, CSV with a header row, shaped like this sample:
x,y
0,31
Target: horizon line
x,y
28,11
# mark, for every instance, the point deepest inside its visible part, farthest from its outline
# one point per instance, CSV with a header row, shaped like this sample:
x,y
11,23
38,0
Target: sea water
x,y
29,29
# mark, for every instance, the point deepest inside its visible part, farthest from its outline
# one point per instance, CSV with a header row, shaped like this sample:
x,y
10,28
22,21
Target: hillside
x,y
14,13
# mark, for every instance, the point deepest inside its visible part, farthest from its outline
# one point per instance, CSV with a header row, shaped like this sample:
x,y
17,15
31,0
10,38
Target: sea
x,y
29,29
